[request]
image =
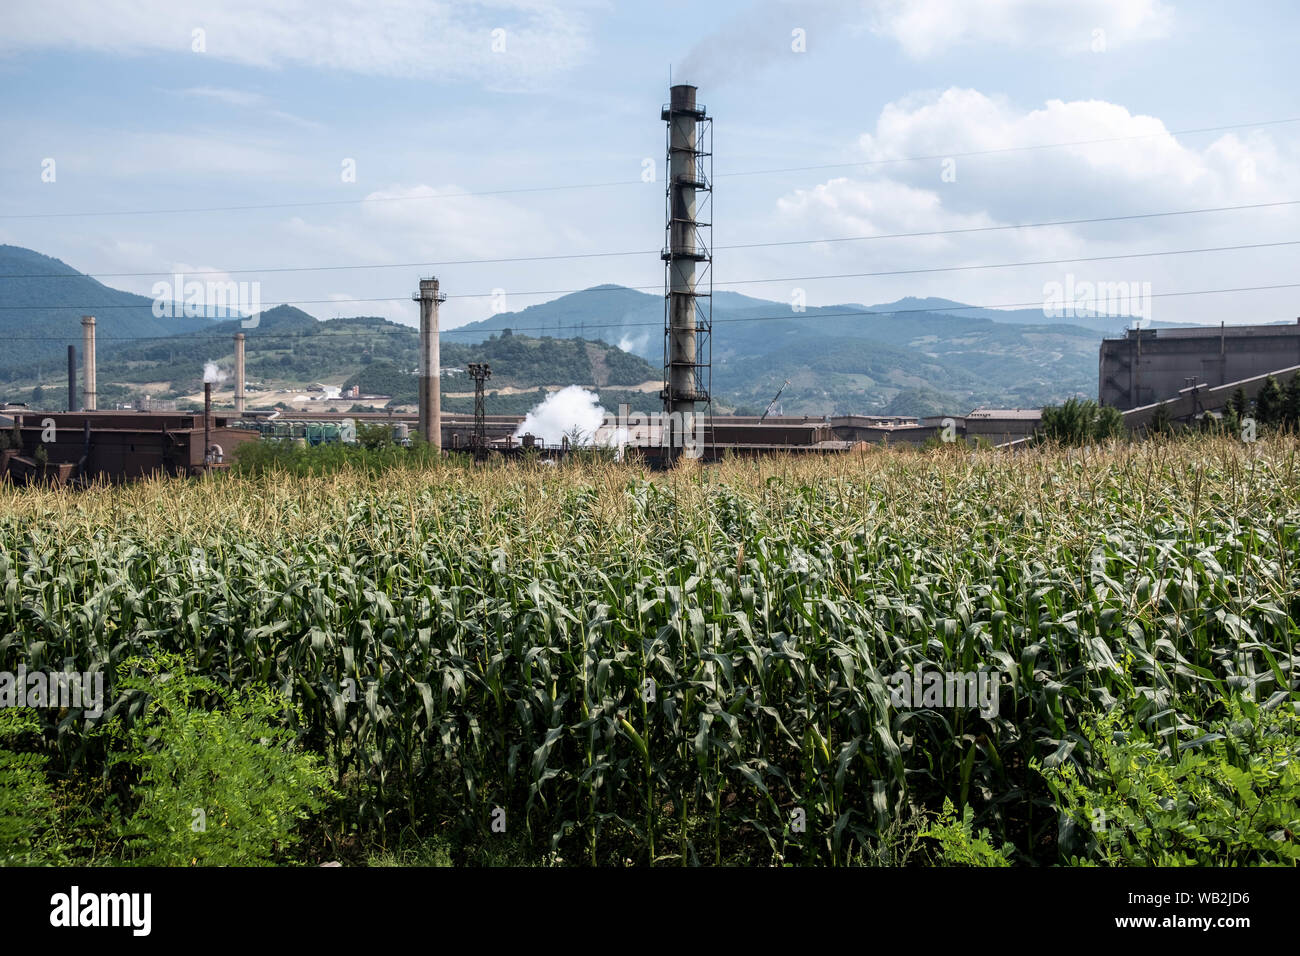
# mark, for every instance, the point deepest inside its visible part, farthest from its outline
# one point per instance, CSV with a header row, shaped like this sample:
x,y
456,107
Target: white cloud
x,y
434,221
928,27
1155,172
403,38
201,150
401,225
760,36
246,100
1139,163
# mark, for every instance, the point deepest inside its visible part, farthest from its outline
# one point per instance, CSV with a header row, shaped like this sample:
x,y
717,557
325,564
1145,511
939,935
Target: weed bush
x,y
220,780
27,807
1228,797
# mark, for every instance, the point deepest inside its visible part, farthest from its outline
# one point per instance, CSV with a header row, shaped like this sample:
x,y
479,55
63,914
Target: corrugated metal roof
x,y
1017,414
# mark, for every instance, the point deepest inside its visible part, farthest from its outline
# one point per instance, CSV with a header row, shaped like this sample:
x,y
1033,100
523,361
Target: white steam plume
x,y
572,407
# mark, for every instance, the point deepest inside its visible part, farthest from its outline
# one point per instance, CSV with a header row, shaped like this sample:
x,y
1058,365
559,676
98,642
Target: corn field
x,y
689,667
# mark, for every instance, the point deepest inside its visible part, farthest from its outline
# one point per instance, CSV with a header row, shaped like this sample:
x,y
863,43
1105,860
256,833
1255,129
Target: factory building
x,y
82,447
1152,365
1002,425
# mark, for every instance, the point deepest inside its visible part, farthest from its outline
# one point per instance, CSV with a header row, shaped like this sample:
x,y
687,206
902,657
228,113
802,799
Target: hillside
x,y
289,350
41,303
518,362
845,358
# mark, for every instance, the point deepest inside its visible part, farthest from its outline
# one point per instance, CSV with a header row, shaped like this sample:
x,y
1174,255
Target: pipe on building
x,y
88,391
430,363
239,373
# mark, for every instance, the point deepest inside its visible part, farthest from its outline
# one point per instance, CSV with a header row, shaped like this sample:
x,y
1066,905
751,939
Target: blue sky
x,y
415,94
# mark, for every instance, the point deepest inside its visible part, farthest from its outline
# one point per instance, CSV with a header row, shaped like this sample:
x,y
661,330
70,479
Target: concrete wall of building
x,y
1000,430
1153,365
1189,403
879,429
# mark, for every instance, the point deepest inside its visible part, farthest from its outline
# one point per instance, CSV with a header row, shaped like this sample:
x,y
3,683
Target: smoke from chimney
x,y
212,375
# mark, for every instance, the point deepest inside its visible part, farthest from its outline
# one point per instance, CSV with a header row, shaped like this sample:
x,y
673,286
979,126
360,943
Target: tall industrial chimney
x,y
430,362
239,373
72,378
688,257
89,401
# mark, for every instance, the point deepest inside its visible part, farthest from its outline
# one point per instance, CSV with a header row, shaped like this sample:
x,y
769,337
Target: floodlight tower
x,y
480,372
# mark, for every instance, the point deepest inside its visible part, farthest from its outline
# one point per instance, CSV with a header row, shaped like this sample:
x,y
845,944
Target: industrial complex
x,y
1187,372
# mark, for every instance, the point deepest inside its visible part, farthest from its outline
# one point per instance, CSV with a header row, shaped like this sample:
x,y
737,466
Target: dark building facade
x,y
1152,365
113,446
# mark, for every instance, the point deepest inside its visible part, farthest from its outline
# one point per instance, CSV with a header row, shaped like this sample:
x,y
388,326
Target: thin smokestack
x,y
430,363
89,396
239,373
207,420
72,378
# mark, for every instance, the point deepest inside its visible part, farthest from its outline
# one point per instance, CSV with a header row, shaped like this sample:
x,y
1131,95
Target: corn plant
x,y
692,667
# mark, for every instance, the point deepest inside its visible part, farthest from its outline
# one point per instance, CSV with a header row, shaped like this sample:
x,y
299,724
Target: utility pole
x,y
481,372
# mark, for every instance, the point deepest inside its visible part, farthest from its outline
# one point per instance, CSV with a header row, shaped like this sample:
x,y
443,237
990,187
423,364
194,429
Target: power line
x,y
1012,149
186,337
636,182
1031,225
648,252
729,282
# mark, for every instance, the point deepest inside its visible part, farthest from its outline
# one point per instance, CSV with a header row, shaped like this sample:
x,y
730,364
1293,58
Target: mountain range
x,y
912,356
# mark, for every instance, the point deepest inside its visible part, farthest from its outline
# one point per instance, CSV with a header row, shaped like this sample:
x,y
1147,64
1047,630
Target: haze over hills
x,y
899,358
289,350
42,300
912,356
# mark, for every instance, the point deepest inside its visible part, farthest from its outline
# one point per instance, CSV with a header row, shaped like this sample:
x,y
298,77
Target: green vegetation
x,y
920,402
960,845
1080,423
695,667
374,453
1230,796
27,807
219,780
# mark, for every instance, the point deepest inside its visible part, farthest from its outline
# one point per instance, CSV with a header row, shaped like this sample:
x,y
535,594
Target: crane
x,y
772,403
